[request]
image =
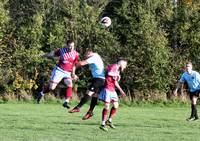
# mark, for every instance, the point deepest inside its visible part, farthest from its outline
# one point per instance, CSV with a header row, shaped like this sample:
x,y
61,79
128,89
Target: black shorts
x,y
97,85
195,93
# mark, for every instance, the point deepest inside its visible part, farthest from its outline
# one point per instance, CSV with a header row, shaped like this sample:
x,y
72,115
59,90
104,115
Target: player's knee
x,y
52,86
90,93
116,105
194,100
68,82
107,106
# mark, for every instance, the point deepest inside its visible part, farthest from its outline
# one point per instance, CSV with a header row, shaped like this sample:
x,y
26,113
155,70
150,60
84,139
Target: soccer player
x,y
193,80
108,94
65,69
96,66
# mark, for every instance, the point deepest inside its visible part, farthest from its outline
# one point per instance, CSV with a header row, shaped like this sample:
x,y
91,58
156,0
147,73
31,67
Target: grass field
x,y
51,122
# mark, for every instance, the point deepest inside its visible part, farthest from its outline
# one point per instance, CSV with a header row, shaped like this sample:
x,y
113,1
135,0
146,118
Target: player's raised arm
x,y
49,55
81,63
89,59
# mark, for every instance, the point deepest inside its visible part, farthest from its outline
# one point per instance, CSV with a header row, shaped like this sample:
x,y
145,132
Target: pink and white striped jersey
x,y
67,59
112,75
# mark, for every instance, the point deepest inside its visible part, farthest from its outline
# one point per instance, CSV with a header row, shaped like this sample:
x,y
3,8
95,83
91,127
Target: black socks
x,y
93,103
84,100
194,111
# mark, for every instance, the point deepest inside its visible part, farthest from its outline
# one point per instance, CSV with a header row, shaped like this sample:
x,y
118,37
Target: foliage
x,y
189,31
154,35
145,45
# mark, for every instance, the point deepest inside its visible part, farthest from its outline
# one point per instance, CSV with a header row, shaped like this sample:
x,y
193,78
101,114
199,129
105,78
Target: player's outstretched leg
x,y
84,100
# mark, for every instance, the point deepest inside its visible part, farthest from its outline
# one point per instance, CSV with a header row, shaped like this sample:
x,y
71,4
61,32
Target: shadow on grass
x,y
75,123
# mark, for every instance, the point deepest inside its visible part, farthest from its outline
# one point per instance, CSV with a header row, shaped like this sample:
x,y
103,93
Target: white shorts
x,y
58,74
108,96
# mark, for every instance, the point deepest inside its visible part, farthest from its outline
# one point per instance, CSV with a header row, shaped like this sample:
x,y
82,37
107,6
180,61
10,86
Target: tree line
x,y
155,36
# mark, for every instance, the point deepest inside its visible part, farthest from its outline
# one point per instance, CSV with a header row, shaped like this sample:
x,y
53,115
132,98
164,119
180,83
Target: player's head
x,y
70,44
122,64
188,66
88,53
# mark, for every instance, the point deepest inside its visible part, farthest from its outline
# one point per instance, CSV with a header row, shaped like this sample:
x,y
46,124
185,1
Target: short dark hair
x,y
69,41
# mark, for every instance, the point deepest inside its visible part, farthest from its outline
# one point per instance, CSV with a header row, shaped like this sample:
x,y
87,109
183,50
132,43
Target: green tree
x,y
189,32
144,42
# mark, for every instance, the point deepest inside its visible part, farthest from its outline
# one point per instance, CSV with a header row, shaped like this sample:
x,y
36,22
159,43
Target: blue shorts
x,y
108,96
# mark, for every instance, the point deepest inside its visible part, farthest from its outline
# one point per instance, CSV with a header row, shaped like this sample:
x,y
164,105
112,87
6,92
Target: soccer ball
x,y
106,21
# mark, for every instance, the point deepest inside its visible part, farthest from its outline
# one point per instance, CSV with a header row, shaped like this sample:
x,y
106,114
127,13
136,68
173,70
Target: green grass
x,y
51,122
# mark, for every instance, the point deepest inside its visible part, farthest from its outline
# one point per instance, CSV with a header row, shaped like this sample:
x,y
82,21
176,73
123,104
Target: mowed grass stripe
x,y
51,122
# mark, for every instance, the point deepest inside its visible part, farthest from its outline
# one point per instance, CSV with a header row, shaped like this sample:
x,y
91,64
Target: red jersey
x,y
112,75
67,59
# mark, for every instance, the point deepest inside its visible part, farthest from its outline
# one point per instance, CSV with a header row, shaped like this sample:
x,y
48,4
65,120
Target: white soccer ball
x,y
106,21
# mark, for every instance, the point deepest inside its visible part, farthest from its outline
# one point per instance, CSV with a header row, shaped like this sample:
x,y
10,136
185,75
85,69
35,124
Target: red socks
x,y
112,112
104,114
68,92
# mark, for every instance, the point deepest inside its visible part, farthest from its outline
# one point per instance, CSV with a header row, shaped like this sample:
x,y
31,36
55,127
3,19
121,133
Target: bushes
x,y
145,44
141,31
